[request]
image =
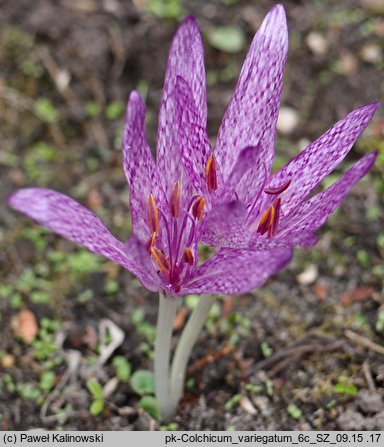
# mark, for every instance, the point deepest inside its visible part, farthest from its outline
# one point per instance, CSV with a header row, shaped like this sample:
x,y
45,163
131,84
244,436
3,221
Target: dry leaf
x,y
24,325
359,294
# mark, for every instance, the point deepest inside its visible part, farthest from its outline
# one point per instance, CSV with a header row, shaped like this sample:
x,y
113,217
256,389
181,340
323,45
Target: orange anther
x,y
175,199
151,241
270,219
152,215
265,221
161,259
275,218
188,256
198,207
210,174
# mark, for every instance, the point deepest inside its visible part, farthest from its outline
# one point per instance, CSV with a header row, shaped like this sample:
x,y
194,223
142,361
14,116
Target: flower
x,y
223,196
253,208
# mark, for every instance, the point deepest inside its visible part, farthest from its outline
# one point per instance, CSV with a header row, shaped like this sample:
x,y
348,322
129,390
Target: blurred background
x,y
303,352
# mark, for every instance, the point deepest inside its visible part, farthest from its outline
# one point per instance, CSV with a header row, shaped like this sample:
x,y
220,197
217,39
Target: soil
x,y
303,352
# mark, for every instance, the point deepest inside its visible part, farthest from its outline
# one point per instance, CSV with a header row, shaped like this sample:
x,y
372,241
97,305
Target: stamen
x,y
265,221
161,260
188,256
175,199
275,218
278,189
210,174
152,215
151,242
270,219
198,208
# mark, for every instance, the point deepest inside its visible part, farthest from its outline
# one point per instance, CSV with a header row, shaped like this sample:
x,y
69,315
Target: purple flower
x,y
253,208
170,199
223,196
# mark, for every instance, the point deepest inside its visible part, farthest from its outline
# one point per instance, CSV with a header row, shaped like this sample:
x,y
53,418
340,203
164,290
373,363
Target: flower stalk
x,y
165,319
170,383
184,347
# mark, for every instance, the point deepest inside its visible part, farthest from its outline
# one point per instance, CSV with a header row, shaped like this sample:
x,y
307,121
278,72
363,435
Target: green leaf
x,y
143,382
46,110
232,402
379,325
228,39
114,110
123,368
294,411
47,380
345,388
150,405
91,109
265,349
97,406
95,389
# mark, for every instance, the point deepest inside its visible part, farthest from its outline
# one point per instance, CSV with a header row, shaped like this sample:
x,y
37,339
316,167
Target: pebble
x,y
371,53
263,404
309,275
7,361
350,420
370,401
348,64
288,120
247,405
317,43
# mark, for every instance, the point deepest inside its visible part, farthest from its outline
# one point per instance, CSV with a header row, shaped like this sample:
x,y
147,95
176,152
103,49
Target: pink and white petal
x,y
192,138
237,271
186,59
314,212
251,116
311,166
247,176
224,226
67,218
149,278
139,166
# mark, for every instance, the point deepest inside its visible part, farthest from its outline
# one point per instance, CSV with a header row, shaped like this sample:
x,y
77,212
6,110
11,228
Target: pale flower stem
x,y
184,347
165,319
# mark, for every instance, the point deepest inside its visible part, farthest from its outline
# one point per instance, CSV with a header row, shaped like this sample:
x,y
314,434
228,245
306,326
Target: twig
x,y
295,352
210,358
364,341
117,337
368,376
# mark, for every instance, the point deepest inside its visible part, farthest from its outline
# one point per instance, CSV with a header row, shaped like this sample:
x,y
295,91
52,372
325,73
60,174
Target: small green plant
x,y
232,402
379,325
265,349
143,382
28,391
150,405
165,9
91,109
345,386
227,39
47,380
44,346
114,110
46,110
147,330
111,287
96,390
294,411
123,368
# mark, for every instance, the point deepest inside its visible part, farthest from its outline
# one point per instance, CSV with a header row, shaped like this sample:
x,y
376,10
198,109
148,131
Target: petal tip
x,y
275,28
15,198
